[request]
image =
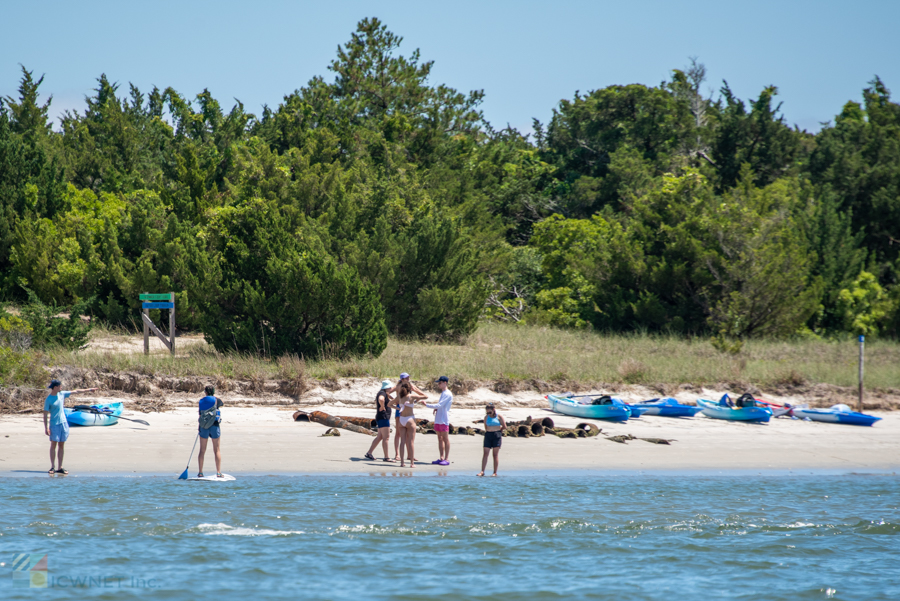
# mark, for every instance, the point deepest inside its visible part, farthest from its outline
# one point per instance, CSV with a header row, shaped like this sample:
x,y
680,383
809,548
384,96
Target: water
x,y
521,536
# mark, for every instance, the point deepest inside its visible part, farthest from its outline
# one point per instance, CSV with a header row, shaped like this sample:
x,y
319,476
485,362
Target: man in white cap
x,y
442,420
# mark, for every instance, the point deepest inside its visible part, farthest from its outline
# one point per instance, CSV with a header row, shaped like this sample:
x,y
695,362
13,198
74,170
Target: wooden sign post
x,y
152,301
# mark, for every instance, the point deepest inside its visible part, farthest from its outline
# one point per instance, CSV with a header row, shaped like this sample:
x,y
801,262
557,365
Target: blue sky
x,y
525,55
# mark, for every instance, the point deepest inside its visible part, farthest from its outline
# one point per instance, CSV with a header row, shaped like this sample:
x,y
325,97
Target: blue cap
x,y
443,379
404,375
54,383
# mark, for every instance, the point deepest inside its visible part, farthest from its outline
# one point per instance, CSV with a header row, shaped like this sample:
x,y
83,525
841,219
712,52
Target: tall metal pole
x,y
172,324
146,331
862,345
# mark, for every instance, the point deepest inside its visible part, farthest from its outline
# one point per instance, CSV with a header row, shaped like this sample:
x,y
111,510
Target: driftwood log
x,y
329,420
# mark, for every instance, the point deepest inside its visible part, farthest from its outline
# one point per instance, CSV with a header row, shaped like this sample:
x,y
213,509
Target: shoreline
x,y
509,473
264,440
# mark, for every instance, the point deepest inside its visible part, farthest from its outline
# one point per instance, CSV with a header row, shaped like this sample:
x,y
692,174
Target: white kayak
x,y
213,478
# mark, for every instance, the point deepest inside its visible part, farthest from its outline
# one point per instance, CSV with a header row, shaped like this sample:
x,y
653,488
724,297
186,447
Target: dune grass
x,y
521,354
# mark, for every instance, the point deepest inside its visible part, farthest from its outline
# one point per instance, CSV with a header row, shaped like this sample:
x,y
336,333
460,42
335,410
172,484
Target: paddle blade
x,y
140,421
184,475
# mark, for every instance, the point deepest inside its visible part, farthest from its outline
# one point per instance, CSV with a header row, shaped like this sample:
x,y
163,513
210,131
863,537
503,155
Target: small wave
x,y
226,530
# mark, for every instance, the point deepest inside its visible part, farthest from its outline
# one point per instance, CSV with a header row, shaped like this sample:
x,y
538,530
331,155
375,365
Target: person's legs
x,y
411,441
53,456
401,434
378,438
484,461
385,437
496,459
397,428
218,453
203,442
60,451
445,452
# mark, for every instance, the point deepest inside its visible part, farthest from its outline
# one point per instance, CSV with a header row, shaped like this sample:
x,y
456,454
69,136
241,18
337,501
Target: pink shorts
x,y
442,427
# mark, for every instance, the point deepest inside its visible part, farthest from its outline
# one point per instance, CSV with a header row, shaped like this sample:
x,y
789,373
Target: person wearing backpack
x,y
210,428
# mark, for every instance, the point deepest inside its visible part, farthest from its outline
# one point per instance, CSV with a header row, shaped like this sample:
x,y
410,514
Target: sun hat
x,y
54,383
385,384
443,379
404,375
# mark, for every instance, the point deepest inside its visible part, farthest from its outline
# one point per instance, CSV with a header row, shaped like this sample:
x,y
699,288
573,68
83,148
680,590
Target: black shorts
x,y
383,423
493,440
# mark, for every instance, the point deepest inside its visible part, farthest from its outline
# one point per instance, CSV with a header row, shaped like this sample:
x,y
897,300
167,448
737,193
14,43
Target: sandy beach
x,y
265,440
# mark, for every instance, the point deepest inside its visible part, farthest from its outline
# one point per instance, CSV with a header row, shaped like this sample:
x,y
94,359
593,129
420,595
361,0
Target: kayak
x,y
615,410
837,414
636,410
107,414
667,407
722,410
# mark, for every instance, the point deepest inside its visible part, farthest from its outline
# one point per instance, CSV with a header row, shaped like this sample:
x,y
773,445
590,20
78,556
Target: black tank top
x,y
379,414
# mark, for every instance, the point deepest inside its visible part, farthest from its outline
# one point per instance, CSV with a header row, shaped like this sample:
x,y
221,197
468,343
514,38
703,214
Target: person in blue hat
x,y
55,424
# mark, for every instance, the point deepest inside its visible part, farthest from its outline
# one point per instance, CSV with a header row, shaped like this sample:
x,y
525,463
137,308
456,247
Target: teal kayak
x,y
101,414
722,410
614,410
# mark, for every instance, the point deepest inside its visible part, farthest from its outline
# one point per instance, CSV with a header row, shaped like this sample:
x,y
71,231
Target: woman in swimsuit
x,y
405,401
404,379
493,437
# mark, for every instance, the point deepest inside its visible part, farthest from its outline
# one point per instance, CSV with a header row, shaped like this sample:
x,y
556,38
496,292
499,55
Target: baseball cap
x,y
404,375
54,383
443,379
385,384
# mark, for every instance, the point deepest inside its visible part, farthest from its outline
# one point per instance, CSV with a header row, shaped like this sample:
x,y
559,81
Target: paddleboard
x,y
213,478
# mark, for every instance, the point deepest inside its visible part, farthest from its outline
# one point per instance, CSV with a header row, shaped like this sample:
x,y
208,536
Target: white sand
x,y
265,440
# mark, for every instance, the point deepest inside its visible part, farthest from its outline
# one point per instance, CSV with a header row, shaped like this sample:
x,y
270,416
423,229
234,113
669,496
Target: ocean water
x,y
433,536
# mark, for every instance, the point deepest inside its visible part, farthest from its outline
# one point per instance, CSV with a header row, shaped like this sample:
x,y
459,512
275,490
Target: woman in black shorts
x,y
493,437
383,421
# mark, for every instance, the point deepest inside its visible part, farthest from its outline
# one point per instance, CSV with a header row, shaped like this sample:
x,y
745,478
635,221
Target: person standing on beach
x,y
493,437
382,420
442,420
404,378
55,424
406,401
210,419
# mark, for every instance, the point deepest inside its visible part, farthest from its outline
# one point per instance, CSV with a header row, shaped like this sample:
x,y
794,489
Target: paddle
x,y
96,411
184,474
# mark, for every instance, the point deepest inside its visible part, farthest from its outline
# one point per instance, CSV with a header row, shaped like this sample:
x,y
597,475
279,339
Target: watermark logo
x,y
29,570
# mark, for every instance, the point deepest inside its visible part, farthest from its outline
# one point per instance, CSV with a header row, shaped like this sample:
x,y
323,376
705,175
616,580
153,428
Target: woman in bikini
x,y
493,437
405,401
404,379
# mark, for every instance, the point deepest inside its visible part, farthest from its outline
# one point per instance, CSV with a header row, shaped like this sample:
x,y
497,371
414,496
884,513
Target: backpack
x,y
208,417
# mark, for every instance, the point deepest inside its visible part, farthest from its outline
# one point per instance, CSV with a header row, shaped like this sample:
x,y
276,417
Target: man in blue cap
x,y
58,428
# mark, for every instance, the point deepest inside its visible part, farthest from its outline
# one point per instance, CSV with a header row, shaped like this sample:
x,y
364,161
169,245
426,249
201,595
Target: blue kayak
x,y
837,414
614,410
722,410
667,407
101,414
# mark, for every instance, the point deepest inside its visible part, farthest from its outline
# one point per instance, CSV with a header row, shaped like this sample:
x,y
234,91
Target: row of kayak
x,y
745,408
